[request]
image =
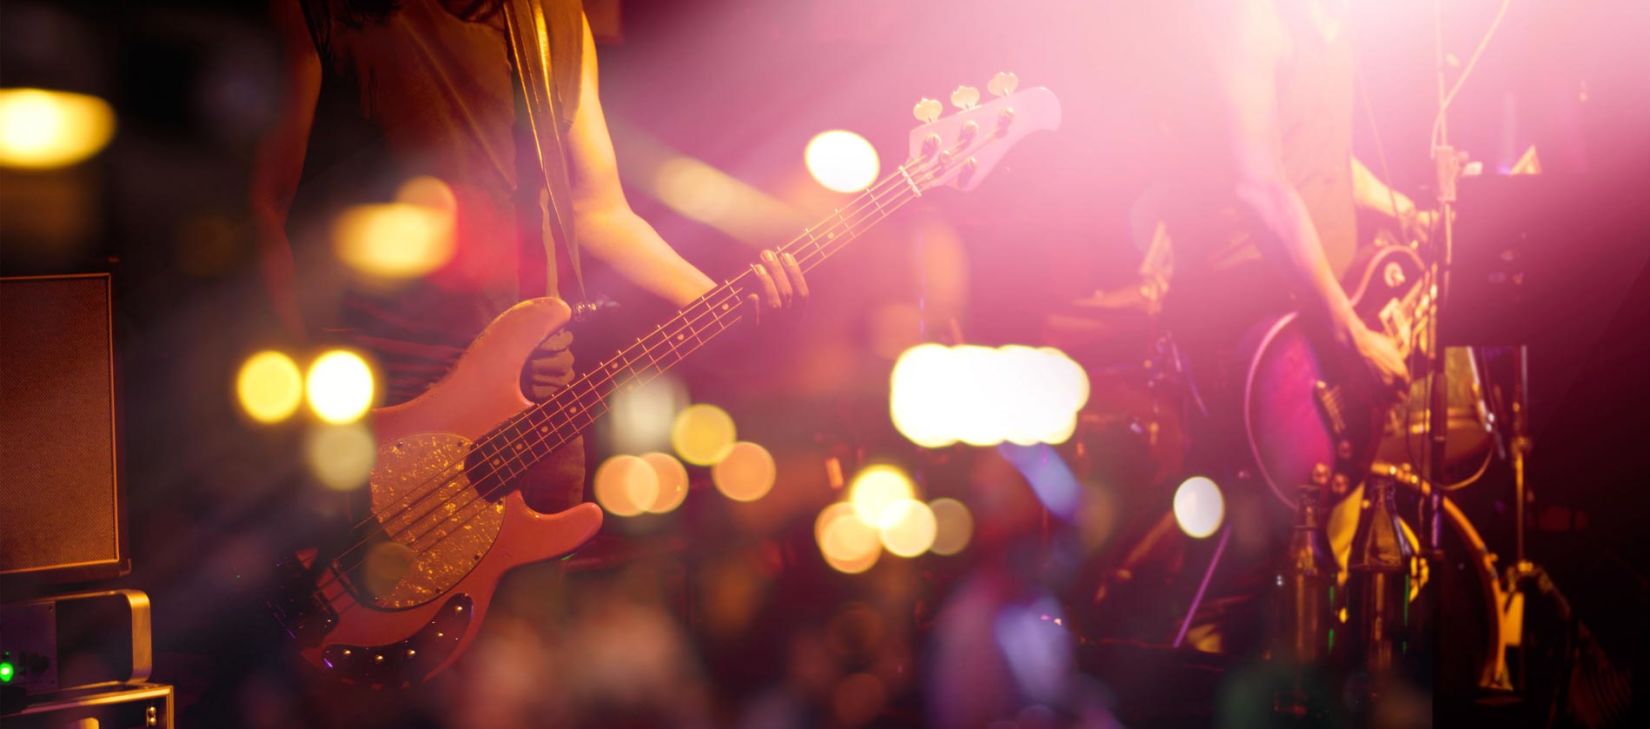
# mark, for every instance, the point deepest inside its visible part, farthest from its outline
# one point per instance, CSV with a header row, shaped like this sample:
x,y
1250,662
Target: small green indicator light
x,y
7,672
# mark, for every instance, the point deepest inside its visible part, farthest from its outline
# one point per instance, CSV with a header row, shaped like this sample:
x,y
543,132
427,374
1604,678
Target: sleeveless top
x,y
1222,283
423,88
1215,236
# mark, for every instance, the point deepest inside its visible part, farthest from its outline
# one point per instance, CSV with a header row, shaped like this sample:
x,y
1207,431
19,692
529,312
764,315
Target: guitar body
x,y
415,603
403,596
1314,415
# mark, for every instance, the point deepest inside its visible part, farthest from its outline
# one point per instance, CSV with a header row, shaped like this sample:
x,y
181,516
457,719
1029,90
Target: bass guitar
x,y
1314,417
446,515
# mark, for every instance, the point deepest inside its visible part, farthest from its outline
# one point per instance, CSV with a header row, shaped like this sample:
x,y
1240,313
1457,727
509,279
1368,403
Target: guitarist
x,y
1262,215
379,92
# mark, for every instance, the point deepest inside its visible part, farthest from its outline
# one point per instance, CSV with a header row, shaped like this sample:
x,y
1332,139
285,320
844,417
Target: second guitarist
x,y
1261,201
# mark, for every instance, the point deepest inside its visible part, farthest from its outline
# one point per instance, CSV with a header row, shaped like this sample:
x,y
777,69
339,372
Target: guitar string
x,y
676,323
812,260
728,296
714,305
710,303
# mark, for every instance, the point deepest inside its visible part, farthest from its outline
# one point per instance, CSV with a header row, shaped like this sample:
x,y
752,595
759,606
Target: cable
x,y
1472,62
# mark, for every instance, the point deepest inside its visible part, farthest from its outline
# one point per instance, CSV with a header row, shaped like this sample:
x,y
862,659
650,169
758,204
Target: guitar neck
x,y
536,432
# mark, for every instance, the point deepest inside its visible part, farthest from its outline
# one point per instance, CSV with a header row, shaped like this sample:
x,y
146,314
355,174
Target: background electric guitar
x,y
446,518
1315,414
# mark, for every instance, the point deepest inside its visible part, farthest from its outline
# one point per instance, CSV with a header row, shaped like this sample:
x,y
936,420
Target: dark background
x,y
742,86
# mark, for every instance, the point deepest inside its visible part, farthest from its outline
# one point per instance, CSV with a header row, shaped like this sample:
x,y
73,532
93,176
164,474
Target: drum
x,y
1470,442
1132,433
1466,593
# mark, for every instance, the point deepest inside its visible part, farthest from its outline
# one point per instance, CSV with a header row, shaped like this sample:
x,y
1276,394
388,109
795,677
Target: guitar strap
x,y
546,39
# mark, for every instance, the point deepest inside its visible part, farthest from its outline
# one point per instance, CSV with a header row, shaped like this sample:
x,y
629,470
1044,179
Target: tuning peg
x,y
965,97
1003,84
927,110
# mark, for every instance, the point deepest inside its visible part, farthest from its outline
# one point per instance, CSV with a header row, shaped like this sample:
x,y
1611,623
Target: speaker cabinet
x,y
62,518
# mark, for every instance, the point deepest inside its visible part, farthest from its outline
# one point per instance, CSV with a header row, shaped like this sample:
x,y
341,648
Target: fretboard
x,y
518,443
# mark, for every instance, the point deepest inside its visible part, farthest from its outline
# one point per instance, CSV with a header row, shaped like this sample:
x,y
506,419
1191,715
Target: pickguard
x,y
437,526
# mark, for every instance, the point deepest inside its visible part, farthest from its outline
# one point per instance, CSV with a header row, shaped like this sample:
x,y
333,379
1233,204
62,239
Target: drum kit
x,y
1134,435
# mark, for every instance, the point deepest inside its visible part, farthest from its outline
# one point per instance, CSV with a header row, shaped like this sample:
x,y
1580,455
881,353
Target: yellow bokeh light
x,y
910,529
403,239
42,129
1198,507
848,544
953,526
641,412
875,490
924,395
341,456
270,387
626,485
673,482
747,472
703,434
339,386
841,161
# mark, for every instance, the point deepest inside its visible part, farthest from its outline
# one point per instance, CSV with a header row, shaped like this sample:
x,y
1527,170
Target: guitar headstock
x,y
961,149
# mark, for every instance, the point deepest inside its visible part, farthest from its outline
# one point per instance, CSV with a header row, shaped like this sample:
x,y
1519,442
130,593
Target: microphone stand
x,y
1447,165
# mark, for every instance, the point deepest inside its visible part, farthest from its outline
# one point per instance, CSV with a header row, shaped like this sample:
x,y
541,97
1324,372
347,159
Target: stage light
x,y
642,413
953,526
703,434
848,544
626,485
983,396
7,671
841,161
42,129
910,528
924,392
673,482
270,387
746,473
339,387
875,490
1198,507
341,456
408,238
1050,389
